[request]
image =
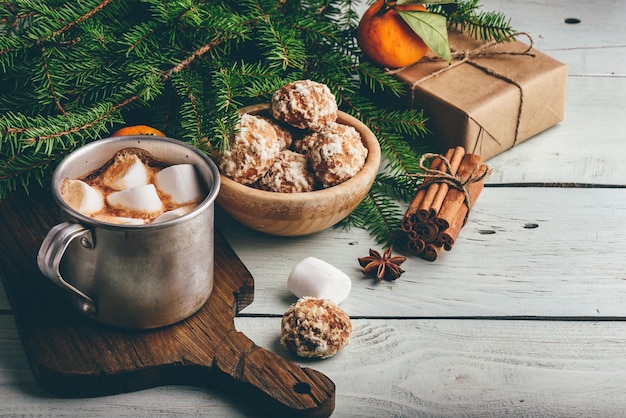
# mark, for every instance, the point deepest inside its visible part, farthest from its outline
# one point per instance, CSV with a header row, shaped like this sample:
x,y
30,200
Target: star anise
x,y
384,267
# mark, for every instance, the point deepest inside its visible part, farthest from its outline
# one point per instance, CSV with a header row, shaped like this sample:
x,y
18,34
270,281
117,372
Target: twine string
x,y
433,175
482,51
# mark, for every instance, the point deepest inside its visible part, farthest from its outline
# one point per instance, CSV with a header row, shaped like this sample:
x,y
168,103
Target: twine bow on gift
x,y
432,175
482,51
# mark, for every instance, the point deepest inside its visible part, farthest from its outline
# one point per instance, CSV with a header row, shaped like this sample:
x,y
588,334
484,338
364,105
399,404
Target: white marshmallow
x,y
180,182
82,197
316,278
173,214
142,199
125,173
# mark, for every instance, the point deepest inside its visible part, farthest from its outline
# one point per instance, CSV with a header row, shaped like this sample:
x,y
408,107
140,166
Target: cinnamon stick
x,y
427,230
420,207
455,198
410,217
453,157
416,246
455,160
448,236
431,252
423,211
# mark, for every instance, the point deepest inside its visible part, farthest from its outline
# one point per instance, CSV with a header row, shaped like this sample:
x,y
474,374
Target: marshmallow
x,y
126,172
180,182
316,278
82,197
173,214
142,199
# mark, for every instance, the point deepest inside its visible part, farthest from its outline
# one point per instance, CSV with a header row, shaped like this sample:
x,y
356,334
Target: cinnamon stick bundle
x,y
442,203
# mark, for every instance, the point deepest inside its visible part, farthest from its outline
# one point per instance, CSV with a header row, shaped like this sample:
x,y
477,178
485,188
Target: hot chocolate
x,y
134,188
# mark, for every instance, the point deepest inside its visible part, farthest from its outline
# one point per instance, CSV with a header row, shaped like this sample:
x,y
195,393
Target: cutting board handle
x,y
280,386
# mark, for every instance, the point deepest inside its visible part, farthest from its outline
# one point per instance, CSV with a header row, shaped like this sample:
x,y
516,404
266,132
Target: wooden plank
x,y
397,368
582,46
501,265
580,149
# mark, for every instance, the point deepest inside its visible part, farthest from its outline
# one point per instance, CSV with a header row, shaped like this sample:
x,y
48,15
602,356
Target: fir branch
x,y
394,130
379,215
189,60
398,187
24,158
79,19
410,122
137,39
40,132
50,22
48,77
377,80
282,47
465,15
28,168
228,88
191,110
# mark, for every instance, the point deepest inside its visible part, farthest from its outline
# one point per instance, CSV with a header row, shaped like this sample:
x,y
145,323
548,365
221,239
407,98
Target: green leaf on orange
x,y
432,28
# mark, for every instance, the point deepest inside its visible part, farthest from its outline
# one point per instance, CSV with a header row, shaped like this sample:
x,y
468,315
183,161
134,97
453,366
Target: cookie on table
x,y
315,328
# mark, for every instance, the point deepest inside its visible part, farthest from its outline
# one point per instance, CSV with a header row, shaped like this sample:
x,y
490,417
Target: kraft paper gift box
x,y
491,97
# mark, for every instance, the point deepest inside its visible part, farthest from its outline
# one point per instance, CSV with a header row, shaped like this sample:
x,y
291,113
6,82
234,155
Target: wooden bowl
x,y
296,214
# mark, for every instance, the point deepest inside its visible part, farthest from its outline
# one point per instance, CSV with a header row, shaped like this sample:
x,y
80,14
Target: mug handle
x,y
51,252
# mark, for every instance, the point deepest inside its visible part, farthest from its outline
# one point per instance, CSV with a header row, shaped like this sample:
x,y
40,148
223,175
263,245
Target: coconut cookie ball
x,y
291,172
284,135
336,153
252,150
304,144
315,328
304,104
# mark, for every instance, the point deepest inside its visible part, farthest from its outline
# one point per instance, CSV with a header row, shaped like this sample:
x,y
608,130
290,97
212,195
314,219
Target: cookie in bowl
x,y
304,104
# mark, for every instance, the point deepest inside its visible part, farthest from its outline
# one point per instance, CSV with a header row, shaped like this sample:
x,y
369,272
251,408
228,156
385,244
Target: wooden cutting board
x,y
71,356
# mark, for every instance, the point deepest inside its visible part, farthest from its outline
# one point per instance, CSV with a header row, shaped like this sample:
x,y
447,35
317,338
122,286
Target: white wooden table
x,y
515,320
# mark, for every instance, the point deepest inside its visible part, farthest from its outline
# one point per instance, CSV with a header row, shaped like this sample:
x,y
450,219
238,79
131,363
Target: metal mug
x,y
133,276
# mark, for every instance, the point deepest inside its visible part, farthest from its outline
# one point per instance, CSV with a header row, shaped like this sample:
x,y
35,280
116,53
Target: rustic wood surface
x,y
525,317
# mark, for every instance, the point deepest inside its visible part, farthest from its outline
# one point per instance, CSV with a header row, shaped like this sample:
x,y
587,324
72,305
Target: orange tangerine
x,y
386,39
137,130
